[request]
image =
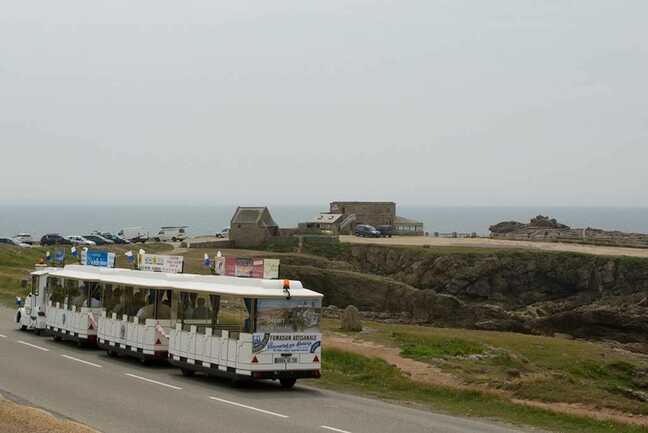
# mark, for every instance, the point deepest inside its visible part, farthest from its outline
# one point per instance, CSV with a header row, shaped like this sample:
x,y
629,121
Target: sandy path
x,y
499,243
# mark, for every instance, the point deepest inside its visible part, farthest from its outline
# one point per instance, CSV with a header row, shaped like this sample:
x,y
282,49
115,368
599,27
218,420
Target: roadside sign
x,y
161,263
102,259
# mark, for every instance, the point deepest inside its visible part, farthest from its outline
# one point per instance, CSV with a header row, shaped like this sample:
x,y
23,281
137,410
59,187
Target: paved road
x,y
120,395
597,250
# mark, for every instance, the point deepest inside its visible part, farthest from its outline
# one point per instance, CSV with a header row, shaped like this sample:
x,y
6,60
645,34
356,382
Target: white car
x,y
80,240
13,243
223,233
133,234
171,233
24,238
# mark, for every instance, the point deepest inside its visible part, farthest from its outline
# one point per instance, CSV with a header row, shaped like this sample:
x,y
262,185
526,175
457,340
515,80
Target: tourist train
x,y
241,328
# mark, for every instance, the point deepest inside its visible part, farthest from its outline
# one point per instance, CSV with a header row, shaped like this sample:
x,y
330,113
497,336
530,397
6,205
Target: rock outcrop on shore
x,y
523,291
545,229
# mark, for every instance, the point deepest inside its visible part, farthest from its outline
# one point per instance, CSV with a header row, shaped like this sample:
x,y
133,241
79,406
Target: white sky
x,y
289,102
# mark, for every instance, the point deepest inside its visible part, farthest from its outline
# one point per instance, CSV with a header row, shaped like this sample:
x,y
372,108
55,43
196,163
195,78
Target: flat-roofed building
x,y
406,226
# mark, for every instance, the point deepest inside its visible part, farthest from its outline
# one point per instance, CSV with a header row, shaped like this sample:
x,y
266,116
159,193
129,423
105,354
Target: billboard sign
x,y
247,267
102,259
161,263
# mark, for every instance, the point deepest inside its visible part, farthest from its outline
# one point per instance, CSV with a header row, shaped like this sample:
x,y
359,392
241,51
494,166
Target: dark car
x,y
54,239
116,239
385,231
366,231
98,239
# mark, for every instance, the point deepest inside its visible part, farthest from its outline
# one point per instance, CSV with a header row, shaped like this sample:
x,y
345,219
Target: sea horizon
x,y
69,219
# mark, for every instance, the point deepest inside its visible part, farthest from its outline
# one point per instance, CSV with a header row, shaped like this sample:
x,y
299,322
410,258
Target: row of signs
x,y
247,267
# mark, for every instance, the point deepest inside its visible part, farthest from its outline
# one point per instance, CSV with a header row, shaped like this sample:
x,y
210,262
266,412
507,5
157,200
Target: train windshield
x,y
288,315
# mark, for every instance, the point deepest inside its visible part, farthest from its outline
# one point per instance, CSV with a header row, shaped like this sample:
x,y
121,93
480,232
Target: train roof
x,y
236,286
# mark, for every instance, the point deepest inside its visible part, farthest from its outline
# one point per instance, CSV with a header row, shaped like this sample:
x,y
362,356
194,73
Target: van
x,y
133,234
171,233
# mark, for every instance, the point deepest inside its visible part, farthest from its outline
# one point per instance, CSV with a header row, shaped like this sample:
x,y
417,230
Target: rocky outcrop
x,y
523,291
545,229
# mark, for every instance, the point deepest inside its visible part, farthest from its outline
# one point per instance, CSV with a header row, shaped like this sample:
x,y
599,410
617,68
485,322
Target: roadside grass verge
x,y
374,377
525,367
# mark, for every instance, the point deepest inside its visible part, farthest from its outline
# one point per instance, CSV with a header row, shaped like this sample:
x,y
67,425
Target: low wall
x,y
221,243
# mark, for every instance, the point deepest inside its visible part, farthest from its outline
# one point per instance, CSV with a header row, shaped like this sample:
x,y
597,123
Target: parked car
x,y
98,239
13,242
116,239
171,233
24,238
80,240
385,231
366,231
133,234
54,239
223,233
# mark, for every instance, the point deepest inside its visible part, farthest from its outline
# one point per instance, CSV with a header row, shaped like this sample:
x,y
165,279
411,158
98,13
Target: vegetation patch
x,y
435,346
360,374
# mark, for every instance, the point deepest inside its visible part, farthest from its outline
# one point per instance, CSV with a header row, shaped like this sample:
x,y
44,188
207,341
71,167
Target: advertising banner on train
x,y
286,343
247,267
161,263
102,259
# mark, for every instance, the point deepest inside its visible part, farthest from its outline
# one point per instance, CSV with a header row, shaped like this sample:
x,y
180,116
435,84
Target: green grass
x,y
416,347
528,367
374,377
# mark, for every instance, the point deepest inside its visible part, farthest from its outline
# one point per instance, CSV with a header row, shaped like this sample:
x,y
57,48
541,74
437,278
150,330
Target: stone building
x,y
375,213
251,227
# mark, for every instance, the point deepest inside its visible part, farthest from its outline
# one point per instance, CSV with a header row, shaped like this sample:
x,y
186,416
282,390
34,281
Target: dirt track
x,y
497,243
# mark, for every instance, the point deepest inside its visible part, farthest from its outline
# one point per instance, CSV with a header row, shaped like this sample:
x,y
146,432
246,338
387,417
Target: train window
x,y
56,290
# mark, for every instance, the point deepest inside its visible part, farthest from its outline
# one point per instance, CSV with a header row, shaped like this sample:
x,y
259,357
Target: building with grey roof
x,y
252,226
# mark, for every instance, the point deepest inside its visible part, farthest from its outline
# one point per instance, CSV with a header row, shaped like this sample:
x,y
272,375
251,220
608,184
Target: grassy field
x,y
370,376
517,366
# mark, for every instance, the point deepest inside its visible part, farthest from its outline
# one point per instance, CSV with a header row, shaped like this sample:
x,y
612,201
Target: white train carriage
x,y
235,327
75,304
32,311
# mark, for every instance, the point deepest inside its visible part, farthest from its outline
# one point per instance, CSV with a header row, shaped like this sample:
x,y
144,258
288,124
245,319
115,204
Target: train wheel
x,y
287,383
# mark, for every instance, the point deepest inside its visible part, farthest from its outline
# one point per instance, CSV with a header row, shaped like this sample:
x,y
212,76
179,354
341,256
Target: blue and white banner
x,y
59,256
286,343
102,259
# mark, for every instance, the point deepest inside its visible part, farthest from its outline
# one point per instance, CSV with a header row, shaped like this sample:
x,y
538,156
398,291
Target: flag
x,y
73,251
206,260
129,256
47,256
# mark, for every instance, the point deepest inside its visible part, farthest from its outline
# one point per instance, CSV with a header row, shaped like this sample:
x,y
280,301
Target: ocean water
x,y
67,220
